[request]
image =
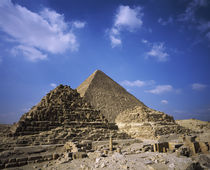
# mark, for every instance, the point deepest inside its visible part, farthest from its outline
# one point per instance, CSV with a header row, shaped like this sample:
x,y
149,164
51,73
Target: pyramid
x,y
144,122
63,115
130,114
106,95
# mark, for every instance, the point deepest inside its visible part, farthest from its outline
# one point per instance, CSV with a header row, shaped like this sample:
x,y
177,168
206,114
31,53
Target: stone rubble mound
x,y
60,116
144,122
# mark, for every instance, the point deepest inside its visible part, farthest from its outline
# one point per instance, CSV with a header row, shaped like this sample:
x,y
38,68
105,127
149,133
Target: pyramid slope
x,y
106,95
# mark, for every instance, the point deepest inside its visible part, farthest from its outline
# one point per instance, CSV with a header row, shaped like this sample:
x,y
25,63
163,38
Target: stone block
x,y
4,161
161,147
22,163
189,139
12,164
174,145
55,156
12,160
79,155
204,147
47,157
32,158
21,159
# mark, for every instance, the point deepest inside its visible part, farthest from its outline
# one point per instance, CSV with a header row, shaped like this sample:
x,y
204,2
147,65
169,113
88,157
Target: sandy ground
x,y
131,158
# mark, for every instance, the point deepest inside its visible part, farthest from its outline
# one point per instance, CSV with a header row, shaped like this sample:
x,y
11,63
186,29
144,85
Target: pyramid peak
x,y
98,72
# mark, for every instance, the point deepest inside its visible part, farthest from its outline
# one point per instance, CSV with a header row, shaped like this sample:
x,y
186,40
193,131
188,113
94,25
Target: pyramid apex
x,y
98,71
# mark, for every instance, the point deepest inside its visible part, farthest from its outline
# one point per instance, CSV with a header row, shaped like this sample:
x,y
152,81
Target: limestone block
x,y
12,164
55,156
204,147
12,160
22,163
32,158
194,147
79,155
21,159
174,145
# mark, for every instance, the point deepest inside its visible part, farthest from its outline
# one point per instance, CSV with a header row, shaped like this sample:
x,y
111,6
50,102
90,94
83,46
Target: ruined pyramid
x,y
63,115
106,95
144,122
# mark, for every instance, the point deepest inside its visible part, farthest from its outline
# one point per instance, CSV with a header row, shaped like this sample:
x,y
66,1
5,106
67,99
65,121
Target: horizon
x,y
158,51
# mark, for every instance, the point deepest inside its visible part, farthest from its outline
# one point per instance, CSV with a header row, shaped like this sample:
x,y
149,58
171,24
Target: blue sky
x,y
158,50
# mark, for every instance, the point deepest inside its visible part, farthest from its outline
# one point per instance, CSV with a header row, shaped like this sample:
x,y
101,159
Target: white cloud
x,y
158,52
164,101
137,83
126,18
198,86
144,41
79,24
115,41
53,85
30,53
160,89
44,32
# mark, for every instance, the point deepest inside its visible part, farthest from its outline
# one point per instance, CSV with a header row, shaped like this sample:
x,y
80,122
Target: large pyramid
x,y
130,114
105,94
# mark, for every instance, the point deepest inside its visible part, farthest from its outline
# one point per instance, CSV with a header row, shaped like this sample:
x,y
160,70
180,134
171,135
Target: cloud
x,y
193,6
144,41
160,89
198,86
115,41
137,83
53,85
126,18
30,53
79,24
194,20
165,22
36,33
164,101
158,51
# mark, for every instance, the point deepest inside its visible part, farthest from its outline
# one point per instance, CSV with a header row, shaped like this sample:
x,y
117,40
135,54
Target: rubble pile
x,y
144,122
63,115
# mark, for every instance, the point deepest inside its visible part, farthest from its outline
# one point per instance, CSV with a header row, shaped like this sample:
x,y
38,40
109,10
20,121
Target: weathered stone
x,y
204,147
22,163
34,158
55,156
21,159
70,147
12,164
79,155
110,144
144,122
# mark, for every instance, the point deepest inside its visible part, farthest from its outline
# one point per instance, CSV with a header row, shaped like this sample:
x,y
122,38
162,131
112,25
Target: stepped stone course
x,y
62,115
145,122
62,105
